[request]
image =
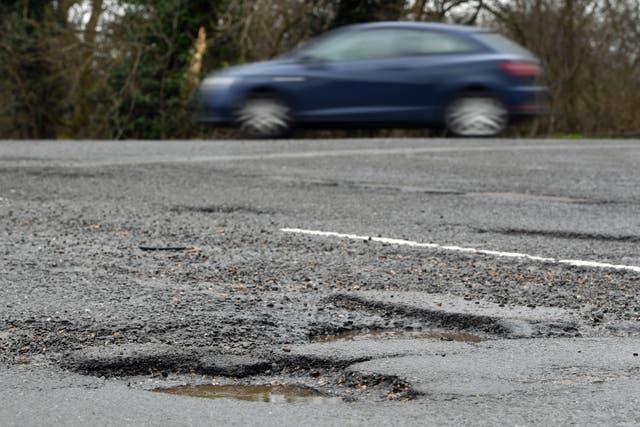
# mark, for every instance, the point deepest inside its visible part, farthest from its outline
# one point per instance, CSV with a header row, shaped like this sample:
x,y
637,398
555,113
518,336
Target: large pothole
x,y
320,368
289,385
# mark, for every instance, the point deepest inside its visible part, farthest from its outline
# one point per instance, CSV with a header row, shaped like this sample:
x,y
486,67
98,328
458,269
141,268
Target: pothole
x,y
203,373
395,333
254,393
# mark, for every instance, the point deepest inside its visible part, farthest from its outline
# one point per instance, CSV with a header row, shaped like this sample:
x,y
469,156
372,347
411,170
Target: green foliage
x,y
153,75
130,74
33,90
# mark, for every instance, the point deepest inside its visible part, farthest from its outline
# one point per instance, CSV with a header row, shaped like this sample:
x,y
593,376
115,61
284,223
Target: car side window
x,y
353,46
419,42
384,43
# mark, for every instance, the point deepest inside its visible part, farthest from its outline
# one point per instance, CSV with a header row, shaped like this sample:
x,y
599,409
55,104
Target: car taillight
x,y
520,68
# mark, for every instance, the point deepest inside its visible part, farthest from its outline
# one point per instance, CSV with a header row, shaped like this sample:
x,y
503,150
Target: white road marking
x,y
402,242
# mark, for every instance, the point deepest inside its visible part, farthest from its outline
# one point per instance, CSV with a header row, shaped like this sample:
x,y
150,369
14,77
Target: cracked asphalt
x,y
151,263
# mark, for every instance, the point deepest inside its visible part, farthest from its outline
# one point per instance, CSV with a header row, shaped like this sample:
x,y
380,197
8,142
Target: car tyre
x,y
264,117
476,115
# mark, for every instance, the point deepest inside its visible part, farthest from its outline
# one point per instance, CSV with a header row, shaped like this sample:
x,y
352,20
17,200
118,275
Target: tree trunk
x,y
81,111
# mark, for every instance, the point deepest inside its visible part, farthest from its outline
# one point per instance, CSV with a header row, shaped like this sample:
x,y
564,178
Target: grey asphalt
x,y
508,195
82,222
548,383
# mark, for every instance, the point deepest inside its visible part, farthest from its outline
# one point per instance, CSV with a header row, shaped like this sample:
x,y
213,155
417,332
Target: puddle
x,y
253,393
396,333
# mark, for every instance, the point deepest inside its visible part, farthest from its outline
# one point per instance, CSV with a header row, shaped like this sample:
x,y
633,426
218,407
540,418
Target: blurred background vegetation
x,y
127,69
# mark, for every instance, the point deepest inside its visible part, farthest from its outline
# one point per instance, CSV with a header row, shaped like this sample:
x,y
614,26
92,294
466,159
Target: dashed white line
x,y
402,242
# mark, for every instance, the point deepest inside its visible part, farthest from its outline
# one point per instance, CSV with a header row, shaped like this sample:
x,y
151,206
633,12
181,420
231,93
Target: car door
x,y
349,78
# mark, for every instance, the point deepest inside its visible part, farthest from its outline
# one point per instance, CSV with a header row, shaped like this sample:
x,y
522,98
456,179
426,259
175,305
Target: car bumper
x,y
214,107
212,118
528,101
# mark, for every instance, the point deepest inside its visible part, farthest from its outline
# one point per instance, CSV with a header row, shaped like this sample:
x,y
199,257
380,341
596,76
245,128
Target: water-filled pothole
x,y
396,333
254,393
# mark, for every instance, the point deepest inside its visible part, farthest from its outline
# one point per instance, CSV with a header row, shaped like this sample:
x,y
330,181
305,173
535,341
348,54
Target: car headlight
x,y
217,82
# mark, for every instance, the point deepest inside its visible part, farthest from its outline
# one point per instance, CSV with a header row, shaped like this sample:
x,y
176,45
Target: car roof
x,y
452,28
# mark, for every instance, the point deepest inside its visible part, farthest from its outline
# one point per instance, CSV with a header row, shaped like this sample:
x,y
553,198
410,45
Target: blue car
x,y
468,80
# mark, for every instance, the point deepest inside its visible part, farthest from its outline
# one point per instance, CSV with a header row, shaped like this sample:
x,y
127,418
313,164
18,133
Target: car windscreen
x,y
502,44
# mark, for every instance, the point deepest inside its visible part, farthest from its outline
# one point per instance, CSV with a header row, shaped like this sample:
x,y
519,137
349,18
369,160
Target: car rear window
x,y
502,44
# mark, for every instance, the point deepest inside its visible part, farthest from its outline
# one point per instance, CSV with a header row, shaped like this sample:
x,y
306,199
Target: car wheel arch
x,y
263,91
475,89
468,89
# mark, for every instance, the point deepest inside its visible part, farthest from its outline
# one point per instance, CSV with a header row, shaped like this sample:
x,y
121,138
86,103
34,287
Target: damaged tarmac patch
x,y
411,316
453,314
192,372
443,325
143,359
161,359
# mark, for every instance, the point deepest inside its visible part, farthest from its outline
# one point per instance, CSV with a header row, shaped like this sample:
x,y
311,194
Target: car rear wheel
x,y
476,115
264,116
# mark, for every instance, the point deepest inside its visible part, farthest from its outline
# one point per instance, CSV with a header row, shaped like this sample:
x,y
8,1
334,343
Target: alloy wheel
x,y
264,118
476,116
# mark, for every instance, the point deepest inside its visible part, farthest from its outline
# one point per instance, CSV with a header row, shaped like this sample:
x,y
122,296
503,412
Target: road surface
x,y
418,281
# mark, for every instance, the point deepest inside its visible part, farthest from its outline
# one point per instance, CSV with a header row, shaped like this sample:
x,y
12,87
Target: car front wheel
x,y
476,116
264,117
